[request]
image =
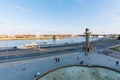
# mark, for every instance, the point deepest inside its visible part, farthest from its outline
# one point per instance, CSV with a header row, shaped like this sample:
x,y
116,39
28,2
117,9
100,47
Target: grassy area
x,y
116,48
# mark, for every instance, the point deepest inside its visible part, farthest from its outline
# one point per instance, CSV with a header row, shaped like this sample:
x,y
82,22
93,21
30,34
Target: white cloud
x,y
115,15
117,10
18,7
10,6
1,23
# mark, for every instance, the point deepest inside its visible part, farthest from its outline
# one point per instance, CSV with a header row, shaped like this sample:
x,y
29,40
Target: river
x,y
13,43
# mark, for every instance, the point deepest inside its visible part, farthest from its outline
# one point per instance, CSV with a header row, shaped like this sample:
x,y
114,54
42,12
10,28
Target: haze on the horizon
x,y
59,16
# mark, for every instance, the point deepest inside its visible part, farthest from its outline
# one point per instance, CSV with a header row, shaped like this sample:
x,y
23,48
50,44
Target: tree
x,y
54,37
119,37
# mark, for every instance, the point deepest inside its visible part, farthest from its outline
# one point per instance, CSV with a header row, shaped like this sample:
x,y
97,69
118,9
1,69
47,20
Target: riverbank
x,y
35,37
25,39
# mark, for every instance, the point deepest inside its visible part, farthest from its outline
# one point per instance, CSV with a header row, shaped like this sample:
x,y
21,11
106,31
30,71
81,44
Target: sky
x,y
59,16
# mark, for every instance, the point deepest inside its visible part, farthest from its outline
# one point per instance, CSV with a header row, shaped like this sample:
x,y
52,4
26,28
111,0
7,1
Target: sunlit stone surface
x,y
81,73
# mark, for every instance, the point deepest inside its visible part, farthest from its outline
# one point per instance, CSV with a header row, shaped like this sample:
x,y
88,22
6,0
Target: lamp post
x,y
6,50
39,39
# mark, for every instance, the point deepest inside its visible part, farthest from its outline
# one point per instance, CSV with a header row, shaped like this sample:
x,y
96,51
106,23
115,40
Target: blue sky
x,y
59,16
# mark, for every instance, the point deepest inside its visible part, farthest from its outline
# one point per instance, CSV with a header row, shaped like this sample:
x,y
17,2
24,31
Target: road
x,y
20,54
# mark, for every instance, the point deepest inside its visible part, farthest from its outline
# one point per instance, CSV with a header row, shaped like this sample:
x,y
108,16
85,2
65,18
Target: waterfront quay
x,y
23,64
12,54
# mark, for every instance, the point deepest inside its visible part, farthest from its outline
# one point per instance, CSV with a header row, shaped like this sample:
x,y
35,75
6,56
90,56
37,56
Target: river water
x,y
13,43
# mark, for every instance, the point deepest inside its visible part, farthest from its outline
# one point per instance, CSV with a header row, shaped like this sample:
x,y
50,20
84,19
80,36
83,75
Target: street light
x,y
6,50
38,36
